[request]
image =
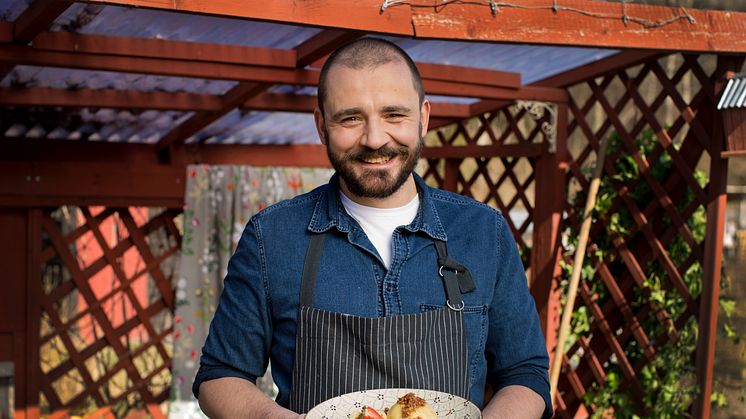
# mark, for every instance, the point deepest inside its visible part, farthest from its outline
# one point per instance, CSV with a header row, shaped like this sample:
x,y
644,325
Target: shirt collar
x,y
329,212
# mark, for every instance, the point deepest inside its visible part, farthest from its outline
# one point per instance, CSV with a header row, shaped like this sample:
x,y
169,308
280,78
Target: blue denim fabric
x,y
256,317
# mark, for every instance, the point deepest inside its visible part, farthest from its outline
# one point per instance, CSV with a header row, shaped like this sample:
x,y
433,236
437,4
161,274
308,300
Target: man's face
x,y
373,126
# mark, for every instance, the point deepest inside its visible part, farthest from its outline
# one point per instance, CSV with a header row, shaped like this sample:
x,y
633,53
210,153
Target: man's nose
x,y
375,135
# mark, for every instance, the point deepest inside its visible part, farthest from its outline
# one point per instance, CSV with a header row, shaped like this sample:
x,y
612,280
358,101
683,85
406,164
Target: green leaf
x,y
718,399
728,306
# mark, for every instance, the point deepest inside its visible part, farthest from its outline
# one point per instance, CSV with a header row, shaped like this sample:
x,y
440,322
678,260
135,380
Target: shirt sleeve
x,y
240,335
515,348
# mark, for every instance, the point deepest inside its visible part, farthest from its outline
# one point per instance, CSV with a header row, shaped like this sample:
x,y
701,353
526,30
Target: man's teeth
x,y
377,160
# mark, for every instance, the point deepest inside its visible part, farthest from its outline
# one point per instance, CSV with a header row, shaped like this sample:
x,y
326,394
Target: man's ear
x,y
318,117
424,116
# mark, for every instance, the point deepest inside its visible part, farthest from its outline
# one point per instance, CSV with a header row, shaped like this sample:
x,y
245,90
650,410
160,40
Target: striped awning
x,y
734,95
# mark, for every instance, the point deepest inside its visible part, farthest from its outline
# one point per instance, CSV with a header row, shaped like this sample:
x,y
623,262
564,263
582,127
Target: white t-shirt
x,y
379,223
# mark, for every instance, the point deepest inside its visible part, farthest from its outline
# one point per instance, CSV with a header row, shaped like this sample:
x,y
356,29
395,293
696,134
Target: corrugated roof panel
x,y
11,9
103,124
533,62
239,127
160,24
734,94
65,78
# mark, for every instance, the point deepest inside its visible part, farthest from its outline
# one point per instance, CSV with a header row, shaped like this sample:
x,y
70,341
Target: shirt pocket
x,y
475,322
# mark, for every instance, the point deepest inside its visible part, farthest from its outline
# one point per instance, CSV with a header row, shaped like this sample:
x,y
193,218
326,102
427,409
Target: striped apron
x,y
339,353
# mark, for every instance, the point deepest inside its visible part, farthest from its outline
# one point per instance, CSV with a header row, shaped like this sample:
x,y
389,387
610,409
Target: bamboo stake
x,y
577,267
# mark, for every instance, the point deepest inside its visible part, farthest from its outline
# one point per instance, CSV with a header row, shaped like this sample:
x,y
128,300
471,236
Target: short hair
x,y
367,53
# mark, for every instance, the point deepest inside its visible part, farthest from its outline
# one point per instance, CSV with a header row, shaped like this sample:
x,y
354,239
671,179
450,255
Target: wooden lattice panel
x,y
504,180
671,102
107,306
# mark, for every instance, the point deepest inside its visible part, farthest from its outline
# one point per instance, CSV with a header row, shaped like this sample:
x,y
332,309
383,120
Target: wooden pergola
x,y
472,147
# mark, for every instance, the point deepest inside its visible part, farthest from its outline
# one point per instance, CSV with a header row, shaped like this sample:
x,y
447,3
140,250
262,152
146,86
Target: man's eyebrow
x,y
346,112
396,109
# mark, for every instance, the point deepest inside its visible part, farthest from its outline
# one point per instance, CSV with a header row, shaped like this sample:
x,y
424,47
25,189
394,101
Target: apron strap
x,y
465,281
310,268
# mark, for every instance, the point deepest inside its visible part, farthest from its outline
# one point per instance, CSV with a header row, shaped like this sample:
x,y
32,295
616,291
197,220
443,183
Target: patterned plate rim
x,y
342,407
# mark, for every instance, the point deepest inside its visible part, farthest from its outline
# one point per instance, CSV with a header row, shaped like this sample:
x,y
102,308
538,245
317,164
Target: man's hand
x,y
232,397
515,402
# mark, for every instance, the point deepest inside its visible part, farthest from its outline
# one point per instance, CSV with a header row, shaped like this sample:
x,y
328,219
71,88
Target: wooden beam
x,y
307,103
436,123
362,15
585,23
568,78
196,53
732,154
49,172
185,102
322,44
36,18
35,172
469,75
107,98
449,110
43,152
604,66
305,155
169,49
18,54
601,24
496,150
197,122
6,32
444,88
281,103
56,183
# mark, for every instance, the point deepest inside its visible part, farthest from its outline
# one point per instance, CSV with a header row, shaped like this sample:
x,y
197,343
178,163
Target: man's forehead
x,y
396,64
390,73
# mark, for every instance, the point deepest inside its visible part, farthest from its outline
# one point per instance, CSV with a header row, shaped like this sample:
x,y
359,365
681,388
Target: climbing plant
x,y
666,380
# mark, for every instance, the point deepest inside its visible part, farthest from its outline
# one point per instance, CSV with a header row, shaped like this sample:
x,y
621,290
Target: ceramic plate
x,y
344,406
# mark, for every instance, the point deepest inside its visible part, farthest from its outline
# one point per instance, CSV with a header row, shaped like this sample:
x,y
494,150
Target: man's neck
x,y
400,198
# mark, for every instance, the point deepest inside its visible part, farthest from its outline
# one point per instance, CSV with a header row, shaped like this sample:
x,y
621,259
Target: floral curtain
x,y
219,200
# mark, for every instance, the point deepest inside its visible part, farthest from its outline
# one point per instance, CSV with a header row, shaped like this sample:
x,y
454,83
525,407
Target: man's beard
x,y
372,183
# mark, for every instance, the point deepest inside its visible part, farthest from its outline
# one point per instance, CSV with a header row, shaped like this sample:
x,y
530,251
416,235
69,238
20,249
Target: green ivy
x,y
668,381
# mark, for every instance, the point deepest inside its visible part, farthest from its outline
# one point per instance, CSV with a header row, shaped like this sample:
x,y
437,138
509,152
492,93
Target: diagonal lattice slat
x,y
504,182
657,119
106,310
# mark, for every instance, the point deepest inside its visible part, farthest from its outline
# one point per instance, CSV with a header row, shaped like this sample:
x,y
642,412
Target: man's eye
x,y
350,119
396,115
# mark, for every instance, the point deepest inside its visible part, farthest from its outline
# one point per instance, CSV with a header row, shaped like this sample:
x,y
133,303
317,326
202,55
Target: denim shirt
x,y
256,317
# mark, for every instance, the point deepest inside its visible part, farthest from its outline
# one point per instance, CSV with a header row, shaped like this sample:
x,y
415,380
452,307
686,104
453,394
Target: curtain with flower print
x,y
219,200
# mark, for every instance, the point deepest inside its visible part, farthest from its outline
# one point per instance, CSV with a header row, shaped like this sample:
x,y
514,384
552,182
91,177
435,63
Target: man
x,y
375,280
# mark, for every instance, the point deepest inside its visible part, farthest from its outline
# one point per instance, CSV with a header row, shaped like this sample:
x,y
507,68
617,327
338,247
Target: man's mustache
x,y
383,152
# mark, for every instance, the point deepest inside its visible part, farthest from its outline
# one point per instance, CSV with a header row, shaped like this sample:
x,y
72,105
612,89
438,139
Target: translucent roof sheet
x,y
238,126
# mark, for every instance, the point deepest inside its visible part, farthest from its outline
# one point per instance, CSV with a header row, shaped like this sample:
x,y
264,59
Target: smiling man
x,y
375,280
374,129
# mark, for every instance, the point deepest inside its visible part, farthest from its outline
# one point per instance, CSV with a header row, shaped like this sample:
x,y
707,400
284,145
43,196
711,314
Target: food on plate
x,y
368,413
412,407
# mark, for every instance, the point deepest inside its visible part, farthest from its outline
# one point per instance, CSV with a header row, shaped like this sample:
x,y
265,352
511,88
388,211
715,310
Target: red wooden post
x,y
713,257
546,247
33,313
19,309
450,182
